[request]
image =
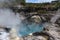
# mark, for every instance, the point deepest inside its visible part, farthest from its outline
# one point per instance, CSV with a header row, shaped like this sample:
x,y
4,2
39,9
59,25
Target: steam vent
x,y
29,19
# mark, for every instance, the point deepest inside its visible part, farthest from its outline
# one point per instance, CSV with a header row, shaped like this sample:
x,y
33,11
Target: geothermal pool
x,y
25,30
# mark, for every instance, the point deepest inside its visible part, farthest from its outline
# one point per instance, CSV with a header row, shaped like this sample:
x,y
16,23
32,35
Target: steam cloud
x,y
8,18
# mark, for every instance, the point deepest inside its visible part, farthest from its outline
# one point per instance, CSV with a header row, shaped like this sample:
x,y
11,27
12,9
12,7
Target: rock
x,y
36,18
4,35
53,31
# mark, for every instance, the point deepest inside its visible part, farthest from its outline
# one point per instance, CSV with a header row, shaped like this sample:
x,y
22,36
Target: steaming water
x,y
25,30
10,20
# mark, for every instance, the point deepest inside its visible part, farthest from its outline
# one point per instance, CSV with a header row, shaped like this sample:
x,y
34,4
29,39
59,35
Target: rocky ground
x,y
52,31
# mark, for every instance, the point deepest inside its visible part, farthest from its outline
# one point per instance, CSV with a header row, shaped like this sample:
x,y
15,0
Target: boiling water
x,y
10,20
